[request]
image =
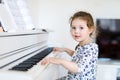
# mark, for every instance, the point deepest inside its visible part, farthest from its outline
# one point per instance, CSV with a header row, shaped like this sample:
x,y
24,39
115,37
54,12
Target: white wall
x,y
55,14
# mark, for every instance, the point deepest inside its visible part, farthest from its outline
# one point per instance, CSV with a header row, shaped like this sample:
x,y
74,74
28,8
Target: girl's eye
x,y
73,28
81,27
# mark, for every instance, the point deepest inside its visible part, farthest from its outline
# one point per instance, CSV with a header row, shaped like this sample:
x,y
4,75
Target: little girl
x,y
84,58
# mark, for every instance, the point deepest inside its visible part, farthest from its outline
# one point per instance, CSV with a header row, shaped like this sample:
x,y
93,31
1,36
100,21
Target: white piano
x,y
21,54
21,48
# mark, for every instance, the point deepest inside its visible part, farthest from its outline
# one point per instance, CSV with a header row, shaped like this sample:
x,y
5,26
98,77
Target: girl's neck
x,y
87,41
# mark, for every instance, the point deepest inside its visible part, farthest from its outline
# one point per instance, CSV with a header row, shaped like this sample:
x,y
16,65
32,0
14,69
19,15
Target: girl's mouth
x,y
77,36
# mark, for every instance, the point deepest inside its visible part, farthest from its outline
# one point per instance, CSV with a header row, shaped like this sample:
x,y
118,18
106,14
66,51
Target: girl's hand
x,y
51,60
55,60
44,61
58,49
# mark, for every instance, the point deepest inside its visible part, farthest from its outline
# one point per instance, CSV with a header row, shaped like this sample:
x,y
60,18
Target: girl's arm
x,y
70,52
71,66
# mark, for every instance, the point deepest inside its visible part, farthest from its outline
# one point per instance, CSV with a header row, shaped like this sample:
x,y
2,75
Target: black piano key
x,y
19,69
24,66
29,63
32,60
26,62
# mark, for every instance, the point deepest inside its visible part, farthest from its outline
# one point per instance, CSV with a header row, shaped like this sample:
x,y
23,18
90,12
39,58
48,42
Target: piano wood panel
x,y
12,41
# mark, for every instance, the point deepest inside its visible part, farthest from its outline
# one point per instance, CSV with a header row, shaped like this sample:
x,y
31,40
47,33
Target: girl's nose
x,y
77,30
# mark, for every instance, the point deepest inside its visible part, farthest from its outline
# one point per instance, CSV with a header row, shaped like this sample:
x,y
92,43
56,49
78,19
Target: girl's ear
x,y
91,30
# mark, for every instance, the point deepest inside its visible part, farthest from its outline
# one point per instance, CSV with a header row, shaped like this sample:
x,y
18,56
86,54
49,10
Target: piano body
x,y
21,54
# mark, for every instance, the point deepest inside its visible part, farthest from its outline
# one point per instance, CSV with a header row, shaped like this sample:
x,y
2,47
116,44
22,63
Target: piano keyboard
x,y
31,68
30,62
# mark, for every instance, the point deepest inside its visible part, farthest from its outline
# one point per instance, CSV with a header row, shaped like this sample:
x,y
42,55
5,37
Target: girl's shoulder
x,y
92,45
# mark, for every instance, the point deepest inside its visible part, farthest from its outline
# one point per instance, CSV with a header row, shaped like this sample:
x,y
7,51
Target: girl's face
x,y
80,31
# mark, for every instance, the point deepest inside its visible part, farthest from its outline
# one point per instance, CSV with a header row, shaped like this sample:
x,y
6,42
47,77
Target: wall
x,y
55,14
